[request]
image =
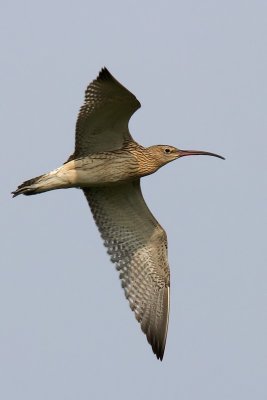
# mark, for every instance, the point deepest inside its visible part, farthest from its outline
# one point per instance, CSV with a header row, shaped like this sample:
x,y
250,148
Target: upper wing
x,y
138,246
102,123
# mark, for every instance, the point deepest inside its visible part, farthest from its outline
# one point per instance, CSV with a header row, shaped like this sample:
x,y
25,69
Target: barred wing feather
x,y
102,123
137,244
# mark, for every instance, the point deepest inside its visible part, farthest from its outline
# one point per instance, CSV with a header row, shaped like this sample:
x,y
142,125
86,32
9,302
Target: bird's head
x,y
164,154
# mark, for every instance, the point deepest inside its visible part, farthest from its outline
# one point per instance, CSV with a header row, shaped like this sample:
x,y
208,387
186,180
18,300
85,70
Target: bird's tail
x,y
40,184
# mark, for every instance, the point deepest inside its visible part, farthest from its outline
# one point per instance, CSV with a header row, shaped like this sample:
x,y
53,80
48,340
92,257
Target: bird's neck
x,y
147,164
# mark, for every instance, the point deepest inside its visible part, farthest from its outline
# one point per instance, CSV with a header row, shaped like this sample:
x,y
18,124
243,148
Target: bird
x,y
107,165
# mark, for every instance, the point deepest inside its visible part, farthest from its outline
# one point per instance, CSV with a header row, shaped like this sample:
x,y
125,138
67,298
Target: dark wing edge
x,y
156,333
105,76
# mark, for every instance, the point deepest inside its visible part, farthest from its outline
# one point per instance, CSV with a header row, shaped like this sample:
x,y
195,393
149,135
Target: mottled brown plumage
x,y
107,165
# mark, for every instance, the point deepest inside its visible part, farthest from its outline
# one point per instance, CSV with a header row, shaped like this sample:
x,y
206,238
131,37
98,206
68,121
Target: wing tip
x,y
157,334
159,351
104,75
158,347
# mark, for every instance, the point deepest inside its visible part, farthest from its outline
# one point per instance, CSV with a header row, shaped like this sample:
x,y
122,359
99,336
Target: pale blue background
x,y
199,69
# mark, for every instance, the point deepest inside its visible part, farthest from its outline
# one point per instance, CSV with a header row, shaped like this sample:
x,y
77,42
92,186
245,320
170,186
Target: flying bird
x,y
107,165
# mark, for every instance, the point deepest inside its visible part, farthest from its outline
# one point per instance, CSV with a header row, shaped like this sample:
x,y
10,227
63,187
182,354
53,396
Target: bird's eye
x,y
167,151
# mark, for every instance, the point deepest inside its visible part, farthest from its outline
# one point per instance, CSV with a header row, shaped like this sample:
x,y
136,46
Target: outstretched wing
x,y
137,244
102,123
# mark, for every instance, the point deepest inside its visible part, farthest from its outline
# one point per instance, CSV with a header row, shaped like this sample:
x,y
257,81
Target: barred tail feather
x,y
28,187
43,183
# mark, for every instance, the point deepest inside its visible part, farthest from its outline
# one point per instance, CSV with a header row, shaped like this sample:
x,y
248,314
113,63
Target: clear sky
x,y
199,69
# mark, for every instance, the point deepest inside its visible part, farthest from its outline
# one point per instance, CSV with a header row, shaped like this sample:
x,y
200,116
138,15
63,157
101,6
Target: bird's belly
x,y
90,171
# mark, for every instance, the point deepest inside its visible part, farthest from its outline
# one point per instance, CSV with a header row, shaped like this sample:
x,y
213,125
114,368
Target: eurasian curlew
x,y
107,165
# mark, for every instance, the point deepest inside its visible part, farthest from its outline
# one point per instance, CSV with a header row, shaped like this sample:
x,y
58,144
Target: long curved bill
x,y
183,153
